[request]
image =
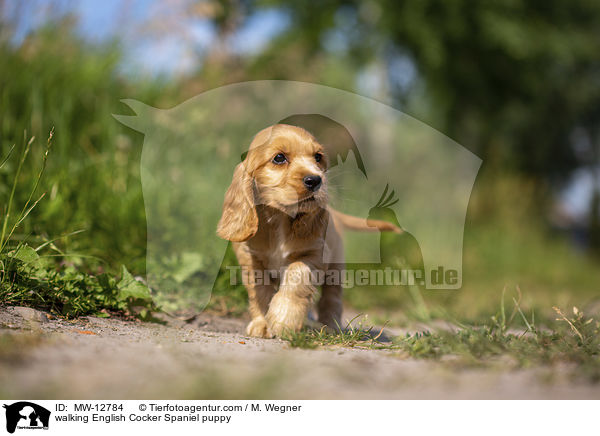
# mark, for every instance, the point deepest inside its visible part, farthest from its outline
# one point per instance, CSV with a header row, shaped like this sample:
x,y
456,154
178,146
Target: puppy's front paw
x,y
258,328
283,325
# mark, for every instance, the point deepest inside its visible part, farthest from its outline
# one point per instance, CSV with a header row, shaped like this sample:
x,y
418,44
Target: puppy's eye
x,y
279,159
318,157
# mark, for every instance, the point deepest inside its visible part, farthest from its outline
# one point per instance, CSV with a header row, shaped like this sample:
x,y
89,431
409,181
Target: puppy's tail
x,y
349,222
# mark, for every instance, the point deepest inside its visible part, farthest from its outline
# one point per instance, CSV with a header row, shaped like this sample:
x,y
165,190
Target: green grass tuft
x,y
351,336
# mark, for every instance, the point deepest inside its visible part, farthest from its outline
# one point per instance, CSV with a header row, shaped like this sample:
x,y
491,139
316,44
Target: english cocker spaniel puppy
x,y
284,235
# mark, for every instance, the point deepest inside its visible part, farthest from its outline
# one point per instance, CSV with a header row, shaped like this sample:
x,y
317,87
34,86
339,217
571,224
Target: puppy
x,y
284,235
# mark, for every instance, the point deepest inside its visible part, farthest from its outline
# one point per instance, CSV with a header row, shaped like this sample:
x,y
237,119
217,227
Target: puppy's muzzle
x,y
312,182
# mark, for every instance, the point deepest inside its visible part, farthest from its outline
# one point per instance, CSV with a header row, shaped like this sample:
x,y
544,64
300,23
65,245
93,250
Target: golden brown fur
x,y
278,223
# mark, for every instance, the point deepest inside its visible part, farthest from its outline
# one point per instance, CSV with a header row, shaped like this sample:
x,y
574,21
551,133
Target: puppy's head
x,y
289,170
284,169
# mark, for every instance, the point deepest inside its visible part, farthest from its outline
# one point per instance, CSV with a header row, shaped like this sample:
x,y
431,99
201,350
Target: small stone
x,y
29,314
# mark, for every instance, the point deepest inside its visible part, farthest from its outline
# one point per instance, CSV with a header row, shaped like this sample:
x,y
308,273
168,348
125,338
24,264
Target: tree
x,y
509,80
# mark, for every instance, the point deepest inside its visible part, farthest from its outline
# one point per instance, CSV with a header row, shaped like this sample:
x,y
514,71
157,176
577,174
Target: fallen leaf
x,y
85,332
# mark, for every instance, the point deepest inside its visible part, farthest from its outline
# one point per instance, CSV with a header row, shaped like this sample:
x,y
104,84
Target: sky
x,y
173,47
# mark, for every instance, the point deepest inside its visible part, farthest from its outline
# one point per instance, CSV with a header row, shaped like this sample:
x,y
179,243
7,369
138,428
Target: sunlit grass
x,y
569,339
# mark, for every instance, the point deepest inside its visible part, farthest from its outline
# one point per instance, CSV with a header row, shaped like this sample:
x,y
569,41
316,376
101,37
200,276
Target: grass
x,y
350,336
568,339
28,278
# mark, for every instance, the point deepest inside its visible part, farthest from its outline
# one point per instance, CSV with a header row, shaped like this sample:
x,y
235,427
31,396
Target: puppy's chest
x,y
278,249
279,253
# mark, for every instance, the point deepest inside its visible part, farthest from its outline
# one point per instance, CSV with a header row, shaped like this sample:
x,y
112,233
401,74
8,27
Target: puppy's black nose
x,y
312,183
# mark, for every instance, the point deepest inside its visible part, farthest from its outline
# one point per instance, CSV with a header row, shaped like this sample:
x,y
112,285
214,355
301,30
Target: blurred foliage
x,y
509,80
92,181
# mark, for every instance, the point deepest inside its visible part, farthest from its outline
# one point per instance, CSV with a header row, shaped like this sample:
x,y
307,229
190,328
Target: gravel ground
x,y
42,357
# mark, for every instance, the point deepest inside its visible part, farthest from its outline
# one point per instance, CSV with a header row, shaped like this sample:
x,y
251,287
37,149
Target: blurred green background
x,y
517,84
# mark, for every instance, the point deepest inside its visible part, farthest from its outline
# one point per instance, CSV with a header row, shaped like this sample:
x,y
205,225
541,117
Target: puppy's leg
x,y
290,304
330,304
260,290
259,296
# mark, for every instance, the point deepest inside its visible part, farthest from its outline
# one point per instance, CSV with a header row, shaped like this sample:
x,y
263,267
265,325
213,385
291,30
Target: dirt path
x,y
98,358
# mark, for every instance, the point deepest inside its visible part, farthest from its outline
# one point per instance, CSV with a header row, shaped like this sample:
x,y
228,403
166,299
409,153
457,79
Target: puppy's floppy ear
x,y
239,221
